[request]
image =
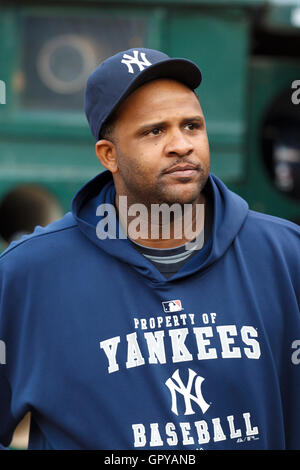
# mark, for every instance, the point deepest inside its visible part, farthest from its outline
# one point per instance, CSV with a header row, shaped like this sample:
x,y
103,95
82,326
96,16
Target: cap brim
x,y
182,70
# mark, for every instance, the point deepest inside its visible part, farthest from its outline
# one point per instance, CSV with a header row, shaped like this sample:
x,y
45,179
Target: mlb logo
x,y
172,306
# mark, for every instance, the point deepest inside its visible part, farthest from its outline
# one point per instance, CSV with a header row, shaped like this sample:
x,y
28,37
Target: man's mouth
x,y
186,170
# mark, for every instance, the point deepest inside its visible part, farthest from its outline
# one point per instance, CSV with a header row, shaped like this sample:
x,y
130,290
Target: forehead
x,y
159,98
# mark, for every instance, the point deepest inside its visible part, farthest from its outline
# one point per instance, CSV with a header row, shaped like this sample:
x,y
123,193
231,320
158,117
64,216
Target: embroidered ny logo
x,y
175,384
129,60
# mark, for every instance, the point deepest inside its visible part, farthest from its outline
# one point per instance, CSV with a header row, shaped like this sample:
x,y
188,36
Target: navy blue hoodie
x,y
108,354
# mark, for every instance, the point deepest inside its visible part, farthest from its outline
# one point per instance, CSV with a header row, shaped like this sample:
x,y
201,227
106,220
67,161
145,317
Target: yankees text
x,y
204,337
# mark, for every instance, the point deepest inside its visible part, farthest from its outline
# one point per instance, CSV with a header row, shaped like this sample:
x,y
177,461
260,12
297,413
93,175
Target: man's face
x,y
161,145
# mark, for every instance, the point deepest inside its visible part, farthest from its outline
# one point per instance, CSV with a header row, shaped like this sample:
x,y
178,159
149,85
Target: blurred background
x,y
249,54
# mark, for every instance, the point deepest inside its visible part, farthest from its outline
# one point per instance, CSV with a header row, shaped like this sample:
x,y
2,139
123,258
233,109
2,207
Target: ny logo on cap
x,y
129,60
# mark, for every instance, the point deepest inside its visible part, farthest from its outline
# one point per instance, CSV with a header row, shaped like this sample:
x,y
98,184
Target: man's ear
x,y
106,153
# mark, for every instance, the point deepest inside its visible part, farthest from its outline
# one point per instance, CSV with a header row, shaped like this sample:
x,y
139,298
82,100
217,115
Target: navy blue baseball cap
x,y
118,76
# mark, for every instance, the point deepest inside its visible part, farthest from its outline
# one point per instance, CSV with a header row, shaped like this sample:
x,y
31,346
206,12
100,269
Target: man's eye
x,y
191,126
155,131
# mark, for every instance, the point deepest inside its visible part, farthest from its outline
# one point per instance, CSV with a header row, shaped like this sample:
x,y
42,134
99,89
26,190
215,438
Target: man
x,y
120,334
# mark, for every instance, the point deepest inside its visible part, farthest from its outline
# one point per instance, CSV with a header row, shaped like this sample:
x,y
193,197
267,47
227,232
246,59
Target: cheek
x,y
137,168
204,152
202,144
141,162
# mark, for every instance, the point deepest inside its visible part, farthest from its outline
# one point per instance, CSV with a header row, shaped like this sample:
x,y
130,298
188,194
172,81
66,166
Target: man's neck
x,y
167,229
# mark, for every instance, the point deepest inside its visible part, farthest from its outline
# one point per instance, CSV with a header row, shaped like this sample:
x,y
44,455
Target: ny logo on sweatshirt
x,y
176,386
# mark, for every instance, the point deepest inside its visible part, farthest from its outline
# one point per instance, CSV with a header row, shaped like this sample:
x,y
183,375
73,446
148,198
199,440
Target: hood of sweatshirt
x,y
94,204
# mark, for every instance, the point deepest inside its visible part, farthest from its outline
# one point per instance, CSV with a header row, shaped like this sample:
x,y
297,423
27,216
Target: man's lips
x,y
187,170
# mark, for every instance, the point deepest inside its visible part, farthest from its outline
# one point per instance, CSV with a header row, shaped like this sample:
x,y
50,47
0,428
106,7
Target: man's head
x,y
152,127
119,75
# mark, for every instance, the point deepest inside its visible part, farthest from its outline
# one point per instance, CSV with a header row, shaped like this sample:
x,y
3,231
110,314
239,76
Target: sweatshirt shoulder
x,y
273,230
41,241
269,222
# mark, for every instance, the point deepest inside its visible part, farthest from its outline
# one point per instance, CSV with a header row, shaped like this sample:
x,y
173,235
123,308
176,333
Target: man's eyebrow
x,y
199,119
152,125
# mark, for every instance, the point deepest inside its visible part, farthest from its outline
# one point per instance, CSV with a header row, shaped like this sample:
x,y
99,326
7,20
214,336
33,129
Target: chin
x,y
188,197
188,193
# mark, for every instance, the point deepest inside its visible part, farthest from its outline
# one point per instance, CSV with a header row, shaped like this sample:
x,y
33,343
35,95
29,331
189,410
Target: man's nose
x,y
178,144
